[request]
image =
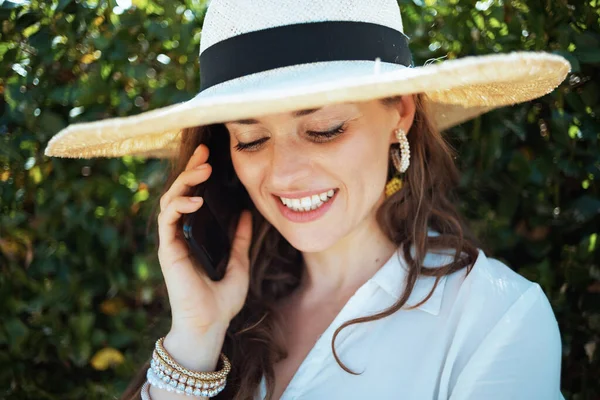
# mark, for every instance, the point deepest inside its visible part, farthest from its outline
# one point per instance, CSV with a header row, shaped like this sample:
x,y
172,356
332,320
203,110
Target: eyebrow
x,y
296,114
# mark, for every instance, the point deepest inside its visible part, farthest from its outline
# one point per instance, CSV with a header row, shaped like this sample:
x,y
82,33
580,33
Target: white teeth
x,y
307,203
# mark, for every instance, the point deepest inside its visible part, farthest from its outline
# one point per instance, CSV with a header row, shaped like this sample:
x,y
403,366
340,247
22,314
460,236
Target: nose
x,y
290,167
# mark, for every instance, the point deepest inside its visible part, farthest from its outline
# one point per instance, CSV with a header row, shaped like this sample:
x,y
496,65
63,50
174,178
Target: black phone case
x,y
216,222
200,253
213,219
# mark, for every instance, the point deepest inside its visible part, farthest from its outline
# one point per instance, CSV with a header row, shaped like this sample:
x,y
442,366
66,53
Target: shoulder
x,y
493,297
490,287
504,331
491,284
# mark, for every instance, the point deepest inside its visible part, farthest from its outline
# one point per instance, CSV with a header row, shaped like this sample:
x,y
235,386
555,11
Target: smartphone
x,y
209,231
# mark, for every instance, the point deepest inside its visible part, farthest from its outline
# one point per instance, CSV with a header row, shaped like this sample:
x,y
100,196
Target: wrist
x,y
196,351
187,330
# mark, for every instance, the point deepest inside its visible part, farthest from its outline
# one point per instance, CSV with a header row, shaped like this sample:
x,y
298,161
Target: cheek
x,y
248,171
363,160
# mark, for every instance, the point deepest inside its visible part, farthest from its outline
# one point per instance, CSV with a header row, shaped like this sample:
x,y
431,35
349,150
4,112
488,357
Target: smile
x,y
307,206
308,203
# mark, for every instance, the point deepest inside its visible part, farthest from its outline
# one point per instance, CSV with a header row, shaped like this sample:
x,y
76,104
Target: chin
x,y
309,241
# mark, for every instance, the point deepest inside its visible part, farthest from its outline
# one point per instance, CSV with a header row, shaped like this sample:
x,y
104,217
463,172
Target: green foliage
x,y
80,283
530,172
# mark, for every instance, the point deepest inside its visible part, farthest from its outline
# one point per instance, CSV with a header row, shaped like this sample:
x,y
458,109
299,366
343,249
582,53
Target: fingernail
x,y
202,166
197,148
196,199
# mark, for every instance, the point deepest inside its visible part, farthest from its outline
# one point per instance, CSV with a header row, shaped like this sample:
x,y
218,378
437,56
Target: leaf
x,y
82,352
17,333
587,40
112,306
62,4
10,5
590,56
560,127
106,358
82,324
584,208
590,95
27,19
88,59
50,122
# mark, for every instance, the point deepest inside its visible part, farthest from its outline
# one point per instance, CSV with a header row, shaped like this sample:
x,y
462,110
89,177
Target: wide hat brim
x,y
457,90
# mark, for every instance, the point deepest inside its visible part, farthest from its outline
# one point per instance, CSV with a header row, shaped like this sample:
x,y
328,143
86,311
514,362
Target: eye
x,y
318,137
250,146
328,135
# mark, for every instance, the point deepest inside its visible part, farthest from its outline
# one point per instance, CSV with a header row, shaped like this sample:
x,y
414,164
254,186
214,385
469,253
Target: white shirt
x,y
490,335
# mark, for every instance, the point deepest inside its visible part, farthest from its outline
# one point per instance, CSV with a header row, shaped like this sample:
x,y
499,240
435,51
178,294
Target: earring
x,y
401,155
401,159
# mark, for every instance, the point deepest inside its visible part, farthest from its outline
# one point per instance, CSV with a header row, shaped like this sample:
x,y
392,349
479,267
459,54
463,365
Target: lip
x,y
299,195
306,216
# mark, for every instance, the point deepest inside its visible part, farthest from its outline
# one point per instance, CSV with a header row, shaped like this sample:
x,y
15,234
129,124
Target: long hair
x,y
253,340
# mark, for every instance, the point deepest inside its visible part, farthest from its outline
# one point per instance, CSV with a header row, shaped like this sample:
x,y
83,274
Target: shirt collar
x,y
391,278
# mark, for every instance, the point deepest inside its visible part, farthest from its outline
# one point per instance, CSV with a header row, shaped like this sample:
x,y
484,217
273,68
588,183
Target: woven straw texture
x,y
458,90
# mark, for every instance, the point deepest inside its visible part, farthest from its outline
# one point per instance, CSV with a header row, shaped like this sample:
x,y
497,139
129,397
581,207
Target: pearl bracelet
x,y
154,380
145,392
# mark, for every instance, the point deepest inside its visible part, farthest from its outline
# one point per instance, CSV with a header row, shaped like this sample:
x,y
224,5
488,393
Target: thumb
x,y
239,259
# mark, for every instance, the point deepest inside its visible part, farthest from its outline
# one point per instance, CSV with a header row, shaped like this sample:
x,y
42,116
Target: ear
x,y
404,115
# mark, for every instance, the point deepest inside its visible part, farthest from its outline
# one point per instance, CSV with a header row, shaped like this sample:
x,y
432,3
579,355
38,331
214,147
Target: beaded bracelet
x,y
145,392
180,380
155,380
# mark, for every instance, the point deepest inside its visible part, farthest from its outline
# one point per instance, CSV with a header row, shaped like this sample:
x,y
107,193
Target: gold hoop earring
x,y
401,159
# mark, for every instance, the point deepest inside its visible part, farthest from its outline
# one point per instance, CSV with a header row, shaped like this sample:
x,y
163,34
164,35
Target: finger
x,y
182,184
185,182
168,218
239,262
200,156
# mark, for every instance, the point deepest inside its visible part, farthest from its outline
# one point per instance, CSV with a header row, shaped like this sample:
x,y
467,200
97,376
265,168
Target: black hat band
x,y
304,43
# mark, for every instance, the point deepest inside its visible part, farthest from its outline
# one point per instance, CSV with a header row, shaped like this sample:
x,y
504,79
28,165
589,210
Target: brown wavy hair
x,y
426,201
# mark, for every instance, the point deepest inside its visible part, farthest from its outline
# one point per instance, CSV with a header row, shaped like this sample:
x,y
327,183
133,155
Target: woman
x,y
351,275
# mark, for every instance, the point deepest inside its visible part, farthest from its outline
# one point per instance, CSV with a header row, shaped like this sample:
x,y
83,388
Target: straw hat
x,y
269,56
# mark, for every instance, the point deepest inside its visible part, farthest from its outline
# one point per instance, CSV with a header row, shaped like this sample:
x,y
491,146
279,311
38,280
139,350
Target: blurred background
x,y
81,293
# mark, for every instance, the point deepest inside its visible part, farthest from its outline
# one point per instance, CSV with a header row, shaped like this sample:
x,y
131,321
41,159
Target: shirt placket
x,y
318,358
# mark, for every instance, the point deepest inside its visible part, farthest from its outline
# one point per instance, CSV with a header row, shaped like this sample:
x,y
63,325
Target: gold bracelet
x,y
164,371
209,376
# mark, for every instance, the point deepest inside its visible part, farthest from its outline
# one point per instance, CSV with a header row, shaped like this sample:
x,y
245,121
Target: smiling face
x,y
318,175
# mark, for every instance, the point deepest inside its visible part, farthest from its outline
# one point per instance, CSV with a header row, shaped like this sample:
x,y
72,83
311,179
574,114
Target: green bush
x,y
81,290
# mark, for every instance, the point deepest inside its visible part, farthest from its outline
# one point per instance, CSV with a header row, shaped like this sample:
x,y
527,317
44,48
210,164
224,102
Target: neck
x,y
344,267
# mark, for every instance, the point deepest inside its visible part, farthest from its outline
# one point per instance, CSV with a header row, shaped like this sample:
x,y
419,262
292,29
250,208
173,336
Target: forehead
x,y
295,114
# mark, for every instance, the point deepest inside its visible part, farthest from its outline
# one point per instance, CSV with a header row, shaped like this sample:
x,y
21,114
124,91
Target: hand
x,y
198,304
